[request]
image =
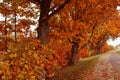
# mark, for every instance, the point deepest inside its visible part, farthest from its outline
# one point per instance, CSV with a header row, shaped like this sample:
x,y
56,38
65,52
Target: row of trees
x,y
64,29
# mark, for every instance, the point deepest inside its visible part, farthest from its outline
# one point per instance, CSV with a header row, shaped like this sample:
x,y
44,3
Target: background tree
x,y
79,20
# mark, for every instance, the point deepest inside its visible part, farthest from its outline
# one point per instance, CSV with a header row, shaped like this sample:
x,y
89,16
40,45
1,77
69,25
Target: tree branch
x,y
93,30
57,10
38,1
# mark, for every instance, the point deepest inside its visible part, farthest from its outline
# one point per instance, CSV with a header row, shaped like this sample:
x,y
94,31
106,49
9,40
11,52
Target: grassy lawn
x,y
77,71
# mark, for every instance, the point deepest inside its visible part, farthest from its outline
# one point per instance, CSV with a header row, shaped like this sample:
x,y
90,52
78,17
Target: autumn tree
x,y
65,27
6,11
79,21
16,10
48,8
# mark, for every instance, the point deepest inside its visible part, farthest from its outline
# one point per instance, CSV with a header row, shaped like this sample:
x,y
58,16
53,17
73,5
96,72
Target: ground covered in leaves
x,y
103,70
101,67
77,71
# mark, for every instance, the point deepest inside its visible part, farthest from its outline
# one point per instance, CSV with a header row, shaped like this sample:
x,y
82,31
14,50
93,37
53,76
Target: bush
x,y
27,60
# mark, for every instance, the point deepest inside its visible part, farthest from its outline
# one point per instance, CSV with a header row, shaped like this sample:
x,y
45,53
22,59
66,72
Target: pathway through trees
x,y
107,68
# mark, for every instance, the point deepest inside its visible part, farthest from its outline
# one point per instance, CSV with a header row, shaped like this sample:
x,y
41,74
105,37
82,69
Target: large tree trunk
x,y
42,31
45,15
98,49
74,51
43,27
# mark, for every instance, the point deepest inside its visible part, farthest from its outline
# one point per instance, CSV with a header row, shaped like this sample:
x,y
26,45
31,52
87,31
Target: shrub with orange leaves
x,y
82,54
63,55
27,59
104,48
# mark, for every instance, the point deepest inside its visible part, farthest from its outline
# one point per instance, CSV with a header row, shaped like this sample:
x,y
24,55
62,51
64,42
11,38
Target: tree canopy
x,y
65,30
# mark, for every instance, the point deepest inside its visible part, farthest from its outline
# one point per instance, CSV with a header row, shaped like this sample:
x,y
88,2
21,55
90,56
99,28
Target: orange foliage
x,y
27,60
104,48
63,54
88,23
82,54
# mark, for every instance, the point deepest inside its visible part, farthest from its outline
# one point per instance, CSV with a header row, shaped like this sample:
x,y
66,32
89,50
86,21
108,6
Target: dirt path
x,y
106,68
115,61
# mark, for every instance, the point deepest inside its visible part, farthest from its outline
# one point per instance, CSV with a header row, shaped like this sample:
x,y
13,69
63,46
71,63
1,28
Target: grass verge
x,y
77,71
118,52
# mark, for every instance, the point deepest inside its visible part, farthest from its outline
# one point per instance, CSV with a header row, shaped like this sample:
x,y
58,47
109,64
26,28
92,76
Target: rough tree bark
x,y
98,49
74,51
43,27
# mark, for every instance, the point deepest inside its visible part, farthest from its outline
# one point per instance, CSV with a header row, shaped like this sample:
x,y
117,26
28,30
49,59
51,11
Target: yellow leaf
x,y
3,77
12,55
1,71
33,77
36,56
26,66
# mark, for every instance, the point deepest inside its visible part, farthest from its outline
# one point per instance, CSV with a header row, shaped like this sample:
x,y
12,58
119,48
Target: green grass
x,y
118,52
77,71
